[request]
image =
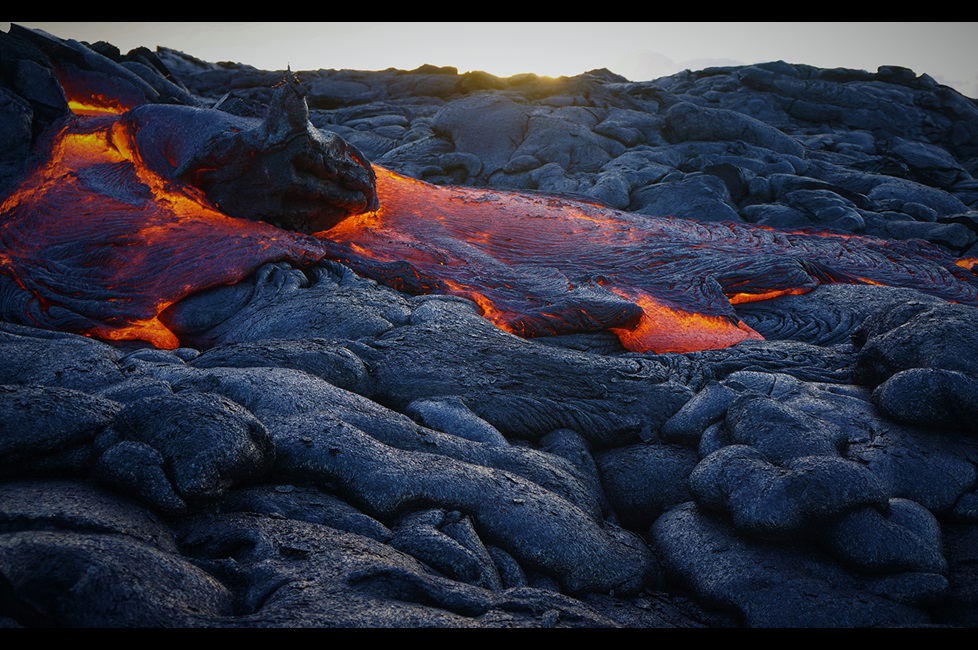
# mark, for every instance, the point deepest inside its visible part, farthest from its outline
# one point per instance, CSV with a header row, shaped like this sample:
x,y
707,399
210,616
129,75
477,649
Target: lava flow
x,y
100,245
96,241
542,265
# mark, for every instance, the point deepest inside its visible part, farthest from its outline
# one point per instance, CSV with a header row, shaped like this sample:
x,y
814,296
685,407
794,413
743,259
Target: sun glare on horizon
x,y
638,51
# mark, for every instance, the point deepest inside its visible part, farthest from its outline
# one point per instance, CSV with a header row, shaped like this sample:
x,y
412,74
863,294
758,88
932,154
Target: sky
x,y
639,51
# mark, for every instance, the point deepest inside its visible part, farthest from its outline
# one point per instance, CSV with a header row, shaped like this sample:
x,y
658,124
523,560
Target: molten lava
x,y
541,265
95,241
101,245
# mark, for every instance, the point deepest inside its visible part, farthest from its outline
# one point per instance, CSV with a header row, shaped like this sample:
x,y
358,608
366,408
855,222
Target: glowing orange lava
x,y
102,245
541,265
99,244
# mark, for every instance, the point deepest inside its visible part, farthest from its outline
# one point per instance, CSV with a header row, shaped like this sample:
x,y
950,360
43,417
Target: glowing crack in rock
x,y
96,241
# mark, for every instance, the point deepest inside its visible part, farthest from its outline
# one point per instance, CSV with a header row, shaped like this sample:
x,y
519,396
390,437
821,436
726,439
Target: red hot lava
x,y
98,242
542,265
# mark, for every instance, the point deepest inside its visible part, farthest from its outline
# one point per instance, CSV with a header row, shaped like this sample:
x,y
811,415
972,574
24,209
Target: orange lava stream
x,y
669,329
969,263
102,245
741,298
93,231
484,244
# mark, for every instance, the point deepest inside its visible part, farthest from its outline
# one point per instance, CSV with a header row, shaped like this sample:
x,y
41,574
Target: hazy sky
x,y
947,51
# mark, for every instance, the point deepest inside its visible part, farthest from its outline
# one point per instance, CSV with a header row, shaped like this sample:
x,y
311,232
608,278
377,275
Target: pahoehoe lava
x,y
413,348
125,212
